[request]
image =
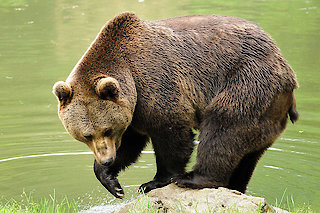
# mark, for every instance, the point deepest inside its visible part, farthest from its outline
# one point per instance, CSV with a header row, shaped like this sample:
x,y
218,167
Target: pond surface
x,y
41,41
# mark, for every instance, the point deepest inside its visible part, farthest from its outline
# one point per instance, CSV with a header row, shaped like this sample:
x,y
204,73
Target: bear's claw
x,y
146,187
109,181
155,183
112,185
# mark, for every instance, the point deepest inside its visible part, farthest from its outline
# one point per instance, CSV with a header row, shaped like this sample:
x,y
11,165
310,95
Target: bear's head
x,y
97,101
98,120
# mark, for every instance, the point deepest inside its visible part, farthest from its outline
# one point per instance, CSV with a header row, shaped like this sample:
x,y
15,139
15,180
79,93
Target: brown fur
x,y
222,75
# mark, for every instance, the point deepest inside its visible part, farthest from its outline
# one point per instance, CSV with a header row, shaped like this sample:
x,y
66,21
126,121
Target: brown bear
x,y
142,80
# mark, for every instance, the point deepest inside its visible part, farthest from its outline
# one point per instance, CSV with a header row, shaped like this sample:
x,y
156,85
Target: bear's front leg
x,y
172,151
131,146
108,180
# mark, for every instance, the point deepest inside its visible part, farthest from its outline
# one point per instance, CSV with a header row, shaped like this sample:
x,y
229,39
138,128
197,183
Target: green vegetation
x,y
44,205
288,203
143,205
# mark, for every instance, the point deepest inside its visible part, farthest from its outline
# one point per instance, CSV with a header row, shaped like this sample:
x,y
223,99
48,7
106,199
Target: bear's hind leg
x,y
220,150
228,154
243,172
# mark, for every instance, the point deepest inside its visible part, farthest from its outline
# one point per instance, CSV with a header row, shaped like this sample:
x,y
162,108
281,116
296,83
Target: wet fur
x,y
222,75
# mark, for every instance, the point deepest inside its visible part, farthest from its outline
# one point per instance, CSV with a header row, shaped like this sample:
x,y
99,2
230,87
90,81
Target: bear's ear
x,y
62,90
108,89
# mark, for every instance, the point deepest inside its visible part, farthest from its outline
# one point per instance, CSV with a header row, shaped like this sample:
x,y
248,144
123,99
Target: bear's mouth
x,y
103,150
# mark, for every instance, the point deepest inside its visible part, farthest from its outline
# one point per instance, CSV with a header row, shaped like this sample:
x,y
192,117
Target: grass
x,y
44,205
288,203
143,205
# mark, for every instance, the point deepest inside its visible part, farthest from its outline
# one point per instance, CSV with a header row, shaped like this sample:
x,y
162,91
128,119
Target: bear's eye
x,y
88,138
108,133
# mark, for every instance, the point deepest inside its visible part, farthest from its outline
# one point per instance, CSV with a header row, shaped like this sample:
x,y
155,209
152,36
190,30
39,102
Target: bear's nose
x,y
107,162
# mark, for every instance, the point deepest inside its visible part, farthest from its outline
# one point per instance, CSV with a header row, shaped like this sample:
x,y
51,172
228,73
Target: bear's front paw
x,y
147,187
108,180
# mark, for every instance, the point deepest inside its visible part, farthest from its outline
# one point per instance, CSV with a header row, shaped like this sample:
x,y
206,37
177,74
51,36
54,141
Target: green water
x,y
41,41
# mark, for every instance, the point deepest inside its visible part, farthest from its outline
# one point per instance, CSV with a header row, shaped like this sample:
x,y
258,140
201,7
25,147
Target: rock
x,y
174,199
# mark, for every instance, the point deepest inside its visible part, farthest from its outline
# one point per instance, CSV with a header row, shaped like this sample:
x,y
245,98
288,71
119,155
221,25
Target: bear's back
x,y
215,48
205,22
198,53
195,58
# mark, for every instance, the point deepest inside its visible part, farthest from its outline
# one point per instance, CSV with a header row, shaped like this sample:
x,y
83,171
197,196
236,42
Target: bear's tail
x,y
293,113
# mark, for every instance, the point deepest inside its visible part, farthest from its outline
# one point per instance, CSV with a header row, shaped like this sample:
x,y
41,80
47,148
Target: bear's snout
x,y
107,162
104,150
